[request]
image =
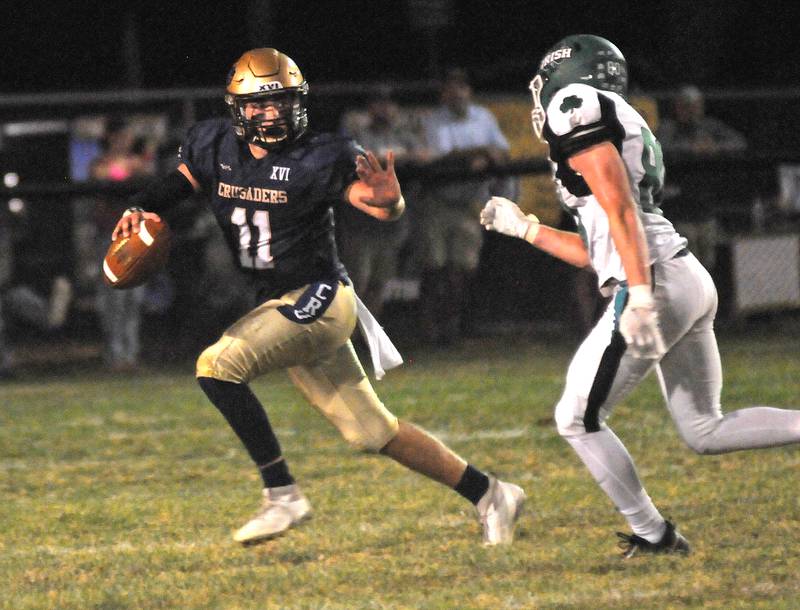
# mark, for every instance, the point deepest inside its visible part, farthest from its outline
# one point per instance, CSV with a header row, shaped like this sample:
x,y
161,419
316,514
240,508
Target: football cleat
x,y
498,511
281,508
671,542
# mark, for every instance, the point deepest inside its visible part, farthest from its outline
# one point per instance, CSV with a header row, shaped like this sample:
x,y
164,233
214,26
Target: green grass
x,y
123,494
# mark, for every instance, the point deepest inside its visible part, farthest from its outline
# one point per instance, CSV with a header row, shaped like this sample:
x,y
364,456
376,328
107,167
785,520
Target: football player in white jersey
x,y
608,170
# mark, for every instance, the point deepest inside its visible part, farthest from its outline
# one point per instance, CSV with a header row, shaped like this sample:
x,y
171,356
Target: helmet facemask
x,y
538,114
275,117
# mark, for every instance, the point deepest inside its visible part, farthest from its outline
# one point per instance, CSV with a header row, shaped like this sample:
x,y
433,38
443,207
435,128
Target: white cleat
x,y
498,511
282,508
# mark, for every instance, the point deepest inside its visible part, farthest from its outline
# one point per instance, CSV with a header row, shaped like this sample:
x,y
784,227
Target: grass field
x,y
123,494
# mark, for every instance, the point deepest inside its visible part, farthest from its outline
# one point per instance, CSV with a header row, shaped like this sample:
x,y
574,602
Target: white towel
x,y
382,351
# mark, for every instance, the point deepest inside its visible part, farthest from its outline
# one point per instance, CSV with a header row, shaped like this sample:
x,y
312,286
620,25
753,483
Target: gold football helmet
x,y
264,78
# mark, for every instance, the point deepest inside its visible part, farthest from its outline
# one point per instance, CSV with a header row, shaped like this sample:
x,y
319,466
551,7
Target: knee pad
x,y
369,443
345,397
700,444
699,434
368,433
226,360
569,415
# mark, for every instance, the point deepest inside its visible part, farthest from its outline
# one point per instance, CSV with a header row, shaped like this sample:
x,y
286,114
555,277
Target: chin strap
x,y
382,351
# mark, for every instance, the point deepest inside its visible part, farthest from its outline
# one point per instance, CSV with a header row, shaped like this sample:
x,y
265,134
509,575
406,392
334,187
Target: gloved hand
x,y
504,216
639,324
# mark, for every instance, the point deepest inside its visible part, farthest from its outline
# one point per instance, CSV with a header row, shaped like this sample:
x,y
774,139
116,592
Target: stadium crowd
x,y
414,264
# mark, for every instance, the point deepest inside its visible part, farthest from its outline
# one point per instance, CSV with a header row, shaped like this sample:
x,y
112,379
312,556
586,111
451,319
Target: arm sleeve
x,y
163,194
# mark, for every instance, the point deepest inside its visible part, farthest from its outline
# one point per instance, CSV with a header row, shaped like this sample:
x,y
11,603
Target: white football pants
x,y
602,374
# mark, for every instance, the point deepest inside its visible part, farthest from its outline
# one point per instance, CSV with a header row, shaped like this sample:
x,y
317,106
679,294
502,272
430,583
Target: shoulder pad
x,y
199,140
204,132
571,107
211,126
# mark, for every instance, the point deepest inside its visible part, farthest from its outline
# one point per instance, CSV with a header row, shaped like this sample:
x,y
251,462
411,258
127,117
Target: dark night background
x,y
716,44
744,55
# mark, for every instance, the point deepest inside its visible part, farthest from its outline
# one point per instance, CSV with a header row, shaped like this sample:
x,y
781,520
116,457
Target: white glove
x,y
504,216
639,324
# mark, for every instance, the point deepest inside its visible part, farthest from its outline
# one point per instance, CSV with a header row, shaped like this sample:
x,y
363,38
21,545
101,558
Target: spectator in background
x,y
463,136
690,131
124,157
370,248
20,302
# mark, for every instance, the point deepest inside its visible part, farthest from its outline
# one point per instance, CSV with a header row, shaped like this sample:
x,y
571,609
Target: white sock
x,y
612,467
284,492
645,520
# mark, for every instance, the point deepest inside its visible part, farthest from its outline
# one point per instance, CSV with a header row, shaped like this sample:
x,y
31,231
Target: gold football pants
x,y
315,348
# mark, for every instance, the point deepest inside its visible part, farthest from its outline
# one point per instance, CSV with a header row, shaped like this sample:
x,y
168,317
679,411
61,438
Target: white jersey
x,y
580,116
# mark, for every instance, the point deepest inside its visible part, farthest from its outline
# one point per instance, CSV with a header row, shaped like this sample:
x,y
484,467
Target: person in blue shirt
x,y
461,136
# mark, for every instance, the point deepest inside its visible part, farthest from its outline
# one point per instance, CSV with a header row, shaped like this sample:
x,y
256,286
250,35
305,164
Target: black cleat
x,y
671,542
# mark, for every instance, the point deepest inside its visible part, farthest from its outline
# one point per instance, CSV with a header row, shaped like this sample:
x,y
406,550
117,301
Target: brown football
x,y
131,261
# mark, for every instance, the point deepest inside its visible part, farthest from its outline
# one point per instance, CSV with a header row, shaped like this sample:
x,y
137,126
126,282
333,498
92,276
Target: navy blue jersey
x,y
276,212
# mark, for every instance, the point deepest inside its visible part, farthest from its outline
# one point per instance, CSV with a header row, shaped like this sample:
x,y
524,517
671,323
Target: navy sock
x,y
276,474
473,484
244,413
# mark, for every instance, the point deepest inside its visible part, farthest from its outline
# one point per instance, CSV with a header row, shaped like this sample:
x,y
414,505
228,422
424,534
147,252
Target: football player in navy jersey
x,y
272,184
608,170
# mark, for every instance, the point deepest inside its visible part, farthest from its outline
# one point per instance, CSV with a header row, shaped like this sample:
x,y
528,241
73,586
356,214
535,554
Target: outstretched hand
x,y
381,182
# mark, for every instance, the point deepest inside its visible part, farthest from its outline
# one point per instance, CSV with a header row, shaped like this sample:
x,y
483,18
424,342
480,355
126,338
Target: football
x,y
132,260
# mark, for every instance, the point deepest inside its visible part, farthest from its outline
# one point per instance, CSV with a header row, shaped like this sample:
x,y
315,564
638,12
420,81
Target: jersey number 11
x,y
254,239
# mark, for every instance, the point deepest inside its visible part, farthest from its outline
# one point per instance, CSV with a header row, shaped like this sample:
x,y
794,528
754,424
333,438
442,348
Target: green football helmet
x,y
581,58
